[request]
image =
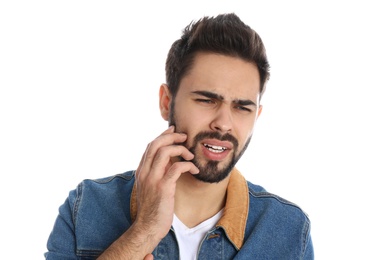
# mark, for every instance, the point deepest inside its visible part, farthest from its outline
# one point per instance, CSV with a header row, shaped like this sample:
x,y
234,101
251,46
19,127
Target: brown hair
x,y
224,34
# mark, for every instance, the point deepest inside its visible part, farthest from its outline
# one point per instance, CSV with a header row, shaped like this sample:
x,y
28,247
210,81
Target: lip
x,y
215,142
216,156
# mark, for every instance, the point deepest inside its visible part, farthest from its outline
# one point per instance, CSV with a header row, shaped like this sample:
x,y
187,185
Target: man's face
x,y
217,105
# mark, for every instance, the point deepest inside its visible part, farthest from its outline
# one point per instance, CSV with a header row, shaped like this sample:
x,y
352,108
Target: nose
x,y
223,120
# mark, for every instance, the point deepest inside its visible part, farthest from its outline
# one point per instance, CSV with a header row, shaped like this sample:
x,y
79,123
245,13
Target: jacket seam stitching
x,y
305,235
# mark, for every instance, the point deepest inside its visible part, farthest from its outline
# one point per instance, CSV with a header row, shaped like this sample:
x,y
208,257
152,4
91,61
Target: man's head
x,y
224,34
216,74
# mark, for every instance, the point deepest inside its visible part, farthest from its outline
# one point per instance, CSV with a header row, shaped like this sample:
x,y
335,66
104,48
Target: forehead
x,y
231,77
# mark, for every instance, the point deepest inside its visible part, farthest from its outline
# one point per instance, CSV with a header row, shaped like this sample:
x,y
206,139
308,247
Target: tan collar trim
x,y
133,203
235,214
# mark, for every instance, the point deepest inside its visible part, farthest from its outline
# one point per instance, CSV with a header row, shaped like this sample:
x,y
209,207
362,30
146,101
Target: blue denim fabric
x,y
98,212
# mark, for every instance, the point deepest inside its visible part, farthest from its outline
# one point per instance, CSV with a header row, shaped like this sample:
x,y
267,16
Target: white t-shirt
x,y
189,238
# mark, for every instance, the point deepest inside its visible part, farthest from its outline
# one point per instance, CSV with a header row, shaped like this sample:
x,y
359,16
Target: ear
x,y
259,111
165,101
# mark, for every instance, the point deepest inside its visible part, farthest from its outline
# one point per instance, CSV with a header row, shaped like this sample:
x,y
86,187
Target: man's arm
x,y
133,244
156,178
309,252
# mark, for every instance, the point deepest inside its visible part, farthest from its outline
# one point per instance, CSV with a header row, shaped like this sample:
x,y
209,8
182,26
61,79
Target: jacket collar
x,y
235,213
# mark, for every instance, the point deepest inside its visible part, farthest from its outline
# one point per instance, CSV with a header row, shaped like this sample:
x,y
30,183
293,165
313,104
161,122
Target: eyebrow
x,y
208,94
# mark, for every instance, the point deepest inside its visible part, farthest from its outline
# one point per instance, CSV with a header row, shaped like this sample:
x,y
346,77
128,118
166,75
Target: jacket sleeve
x,y
309,251
62,242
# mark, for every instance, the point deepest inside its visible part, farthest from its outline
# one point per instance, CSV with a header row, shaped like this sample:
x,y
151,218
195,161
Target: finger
x,y
171,129
164,140
175,171
141,163
149,257
163,158
164,154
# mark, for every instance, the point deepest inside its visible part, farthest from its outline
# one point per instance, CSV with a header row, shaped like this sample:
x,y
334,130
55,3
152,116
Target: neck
x,y
197,201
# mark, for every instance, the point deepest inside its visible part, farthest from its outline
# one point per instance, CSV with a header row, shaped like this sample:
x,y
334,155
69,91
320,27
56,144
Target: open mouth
x,y
215,148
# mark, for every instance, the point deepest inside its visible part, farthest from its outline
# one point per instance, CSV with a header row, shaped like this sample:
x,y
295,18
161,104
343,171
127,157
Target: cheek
x,y
191,124
186,123
192,119
244,132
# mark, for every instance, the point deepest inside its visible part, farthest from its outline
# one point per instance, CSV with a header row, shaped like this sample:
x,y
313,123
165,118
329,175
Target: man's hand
x,y
156,178
156,182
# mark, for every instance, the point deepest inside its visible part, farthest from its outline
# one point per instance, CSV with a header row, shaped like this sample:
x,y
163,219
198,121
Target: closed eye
x,y
243,108
245,105
206,101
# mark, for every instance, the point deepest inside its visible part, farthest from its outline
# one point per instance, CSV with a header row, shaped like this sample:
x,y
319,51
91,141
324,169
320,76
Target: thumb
x,y
149,257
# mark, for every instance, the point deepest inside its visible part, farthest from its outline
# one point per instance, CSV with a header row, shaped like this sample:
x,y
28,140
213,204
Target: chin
x,y
210,173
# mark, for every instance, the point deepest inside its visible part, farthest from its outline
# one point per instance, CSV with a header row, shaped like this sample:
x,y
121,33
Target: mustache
x,y
216,135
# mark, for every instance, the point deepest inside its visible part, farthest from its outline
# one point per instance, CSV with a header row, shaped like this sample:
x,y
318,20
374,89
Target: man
x,y
186,199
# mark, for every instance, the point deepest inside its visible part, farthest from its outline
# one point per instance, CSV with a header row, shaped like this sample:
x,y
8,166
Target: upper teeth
x,y
215,148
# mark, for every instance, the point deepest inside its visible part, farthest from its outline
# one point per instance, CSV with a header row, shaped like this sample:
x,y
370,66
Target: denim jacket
x,y
255,224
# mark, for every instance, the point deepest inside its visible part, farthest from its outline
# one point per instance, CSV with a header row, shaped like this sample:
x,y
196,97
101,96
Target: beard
x,y
215,171
211,171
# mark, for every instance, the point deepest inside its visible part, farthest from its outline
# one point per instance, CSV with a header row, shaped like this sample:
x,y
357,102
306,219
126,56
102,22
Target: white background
x,y
79,86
